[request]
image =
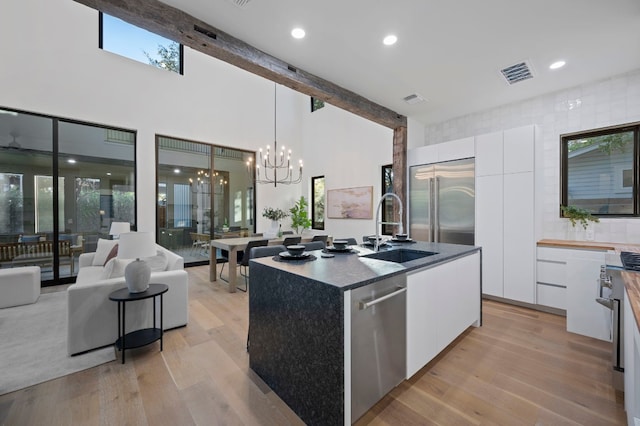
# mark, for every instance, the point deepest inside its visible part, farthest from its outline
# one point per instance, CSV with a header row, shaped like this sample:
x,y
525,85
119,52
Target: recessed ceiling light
x,y
71,161
390,39
556,65
297,33
176,171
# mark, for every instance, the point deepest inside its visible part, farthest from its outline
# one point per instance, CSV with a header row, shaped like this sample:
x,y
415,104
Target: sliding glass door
x,y
203,192
62,183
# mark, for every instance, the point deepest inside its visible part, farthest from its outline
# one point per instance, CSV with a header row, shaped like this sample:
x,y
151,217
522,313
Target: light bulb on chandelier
x,y
279,163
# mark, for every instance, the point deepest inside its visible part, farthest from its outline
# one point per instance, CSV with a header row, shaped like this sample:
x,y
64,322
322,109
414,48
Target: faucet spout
x,y
378,222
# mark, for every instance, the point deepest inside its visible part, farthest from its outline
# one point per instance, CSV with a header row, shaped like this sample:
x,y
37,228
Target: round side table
x,y
138,338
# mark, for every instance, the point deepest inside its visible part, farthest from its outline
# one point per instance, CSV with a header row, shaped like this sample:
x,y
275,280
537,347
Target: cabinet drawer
x,y
551,272
552,253
555,297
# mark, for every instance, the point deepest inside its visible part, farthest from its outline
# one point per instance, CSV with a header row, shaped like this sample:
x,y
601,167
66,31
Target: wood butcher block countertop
x,y
631,279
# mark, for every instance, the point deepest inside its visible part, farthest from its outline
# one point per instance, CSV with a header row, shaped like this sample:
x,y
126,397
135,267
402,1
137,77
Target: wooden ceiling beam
x,y
183,28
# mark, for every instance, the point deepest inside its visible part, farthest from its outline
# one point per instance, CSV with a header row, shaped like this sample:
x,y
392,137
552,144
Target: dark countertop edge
x,y
424,263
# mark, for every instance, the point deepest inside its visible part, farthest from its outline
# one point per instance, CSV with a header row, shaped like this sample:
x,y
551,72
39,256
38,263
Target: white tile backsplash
x,y
608,102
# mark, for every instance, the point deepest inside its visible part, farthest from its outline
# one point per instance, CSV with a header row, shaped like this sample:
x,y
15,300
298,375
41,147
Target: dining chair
x,y
289,241
350,241
224,258
263,251
244,263
322,238
313,245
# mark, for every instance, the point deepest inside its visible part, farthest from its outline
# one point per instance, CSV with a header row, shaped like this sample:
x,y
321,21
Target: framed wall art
x,y
350,203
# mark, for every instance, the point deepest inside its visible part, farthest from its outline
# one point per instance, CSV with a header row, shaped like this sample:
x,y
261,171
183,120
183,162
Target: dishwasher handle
x,y
365,305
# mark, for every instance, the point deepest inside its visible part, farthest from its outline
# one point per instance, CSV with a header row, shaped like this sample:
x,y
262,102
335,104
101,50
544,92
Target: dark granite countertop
x,y
351,270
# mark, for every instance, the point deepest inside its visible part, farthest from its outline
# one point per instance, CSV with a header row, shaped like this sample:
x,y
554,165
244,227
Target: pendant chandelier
x,y
281,162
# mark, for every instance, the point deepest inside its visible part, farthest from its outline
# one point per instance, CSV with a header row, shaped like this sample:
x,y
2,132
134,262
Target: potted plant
x,y
299,215
577,215
275,215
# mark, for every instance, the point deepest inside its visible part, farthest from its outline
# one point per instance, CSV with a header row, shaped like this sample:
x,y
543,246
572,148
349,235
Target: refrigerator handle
x,y
436,210
431,212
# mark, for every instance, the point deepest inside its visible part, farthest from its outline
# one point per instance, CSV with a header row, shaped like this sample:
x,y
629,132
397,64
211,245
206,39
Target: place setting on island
x,y
295,253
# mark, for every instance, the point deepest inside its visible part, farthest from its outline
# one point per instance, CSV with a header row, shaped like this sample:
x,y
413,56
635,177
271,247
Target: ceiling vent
x,y
518,72
413,99
240,3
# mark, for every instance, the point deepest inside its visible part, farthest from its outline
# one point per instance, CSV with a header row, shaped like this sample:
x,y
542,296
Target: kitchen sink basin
x,y
400,255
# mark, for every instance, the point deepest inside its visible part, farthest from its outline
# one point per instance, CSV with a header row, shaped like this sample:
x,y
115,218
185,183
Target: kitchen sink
x,y
400,255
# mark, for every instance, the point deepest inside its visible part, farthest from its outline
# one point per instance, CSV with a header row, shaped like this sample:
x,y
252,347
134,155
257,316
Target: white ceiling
x,y
450,52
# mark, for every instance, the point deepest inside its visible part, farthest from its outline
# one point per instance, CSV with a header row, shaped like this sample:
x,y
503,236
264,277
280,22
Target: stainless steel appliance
x,y
611,296
378,341
441,202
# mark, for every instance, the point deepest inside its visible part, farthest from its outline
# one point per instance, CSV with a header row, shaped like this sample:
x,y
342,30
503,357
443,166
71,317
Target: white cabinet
x,y
441,303
569,279
445,151
489,154
519,238
584,315
490,234
505,212
551,277
519,150
631,363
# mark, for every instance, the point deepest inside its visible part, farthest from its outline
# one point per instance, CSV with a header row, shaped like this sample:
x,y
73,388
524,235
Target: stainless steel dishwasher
x,y
378,341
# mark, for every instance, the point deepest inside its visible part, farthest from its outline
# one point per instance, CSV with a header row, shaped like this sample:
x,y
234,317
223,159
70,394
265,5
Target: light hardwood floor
x,y
521,367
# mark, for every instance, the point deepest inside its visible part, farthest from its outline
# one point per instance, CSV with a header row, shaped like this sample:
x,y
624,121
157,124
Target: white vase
x,y
272,232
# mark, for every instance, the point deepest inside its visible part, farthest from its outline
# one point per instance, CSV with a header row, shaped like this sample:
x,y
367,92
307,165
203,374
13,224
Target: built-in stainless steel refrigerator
x,y
442,202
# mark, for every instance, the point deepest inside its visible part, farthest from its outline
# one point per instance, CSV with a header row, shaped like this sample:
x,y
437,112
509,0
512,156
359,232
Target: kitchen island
x,y
300,315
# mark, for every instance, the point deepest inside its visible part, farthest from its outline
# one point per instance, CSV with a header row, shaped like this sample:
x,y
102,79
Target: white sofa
x,y
92,319
19,286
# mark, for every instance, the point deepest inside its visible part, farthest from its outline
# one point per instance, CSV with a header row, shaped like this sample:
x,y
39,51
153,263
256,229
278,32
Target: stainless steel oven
x,y
612,296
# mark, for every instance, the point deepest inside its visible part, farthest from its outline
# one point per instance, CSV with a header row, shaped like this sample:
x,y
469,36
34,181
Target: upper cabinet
x,y
519,150
489,154
437,153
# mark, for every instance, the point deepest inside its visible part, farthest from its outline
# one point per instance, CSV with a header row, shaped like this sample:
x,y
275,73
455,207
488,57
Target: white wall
x,y
51,64
609,102
354,150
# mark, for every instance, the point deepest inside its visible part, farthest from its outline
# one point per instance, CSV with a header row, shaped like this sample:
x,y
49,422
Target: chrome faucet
x,y
399,223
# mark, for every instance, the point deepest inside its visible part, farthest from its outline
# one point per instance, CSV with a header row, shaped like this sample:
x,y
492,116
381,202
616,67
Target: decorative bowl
x,y
339,244
401,237
296,250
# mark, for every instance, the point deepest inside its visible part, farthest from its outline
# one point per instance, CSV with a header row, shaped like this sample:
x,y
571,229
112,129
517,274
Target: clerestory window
x,y
122,38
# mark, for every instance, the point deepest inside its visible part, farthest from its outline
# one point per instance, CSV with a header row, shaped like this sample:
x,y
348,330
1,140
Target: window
x,y
387,205
11,203
44,200
195,202
64,180
316,104
599,171
317,202
135,43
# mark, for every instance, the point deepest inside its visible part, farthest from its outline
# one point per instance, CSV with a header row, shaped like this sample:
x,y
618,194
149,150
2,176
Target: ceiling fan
x,y
14,144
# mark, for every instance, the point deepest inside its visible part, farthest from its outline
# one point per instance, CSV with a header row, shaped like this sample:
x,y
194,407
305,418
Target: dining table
x,y
233,246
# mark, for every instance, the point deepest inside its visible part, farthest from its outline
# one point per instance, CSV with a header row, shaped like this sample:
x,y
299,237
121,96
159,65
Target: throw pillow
x,y
113,253
108,267
158,262
118,267
102,251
